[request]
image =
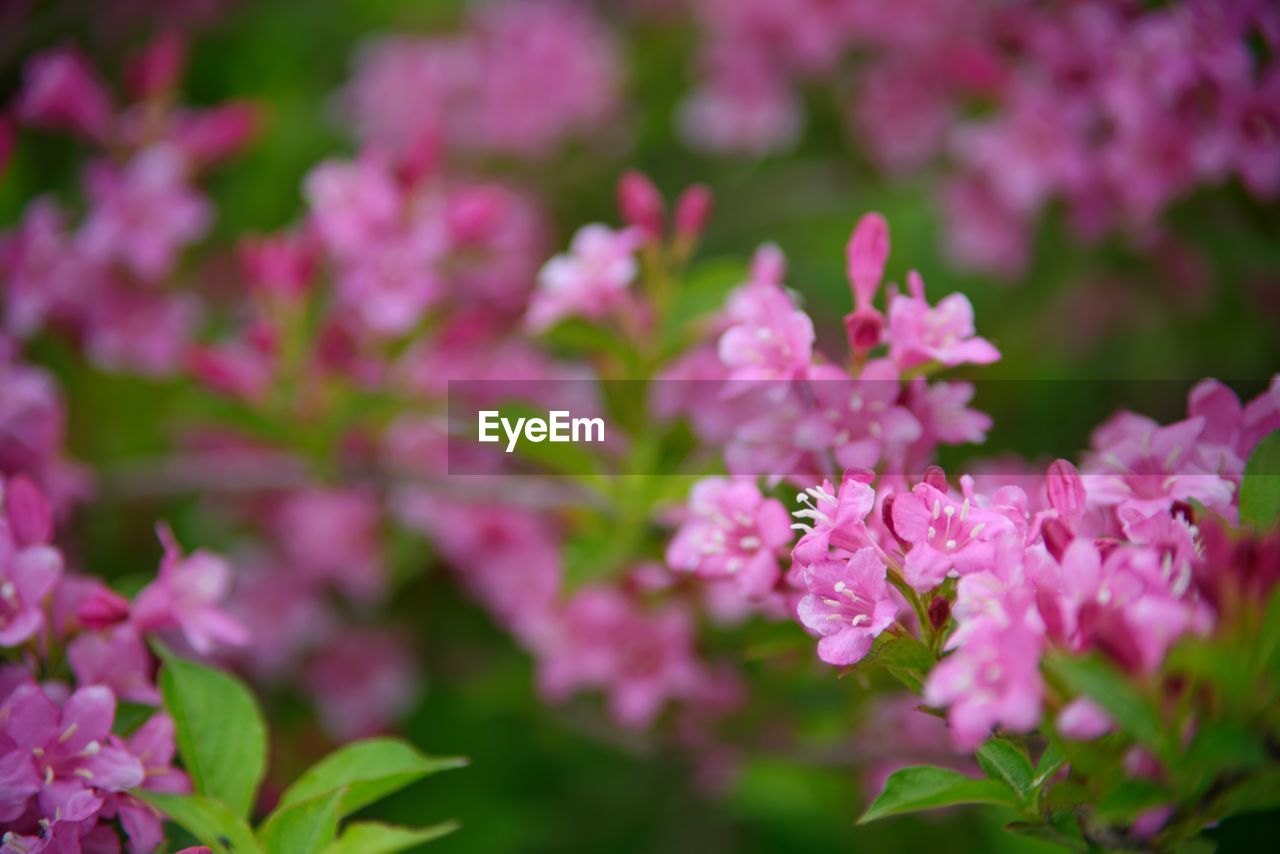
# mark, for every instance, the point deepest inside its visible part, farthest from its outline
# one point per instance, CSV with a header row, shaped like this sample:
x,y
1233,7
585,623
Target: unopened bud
x,y
693,209
641,204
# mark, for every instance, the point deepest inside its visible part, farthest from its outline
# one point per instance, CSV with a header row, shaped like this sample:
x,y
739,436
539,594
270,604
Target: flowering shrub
x,y
1082,644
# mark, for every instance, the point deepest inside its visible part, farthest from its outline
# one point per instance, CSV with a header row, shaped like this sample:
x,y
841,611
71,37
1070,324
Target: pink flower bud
x,y
693,209
886,515
157,69
214,134
865,328
867,252
104,608
30,518
641,204
1057,536
937,478
939,612
61,92
1066,490
768,265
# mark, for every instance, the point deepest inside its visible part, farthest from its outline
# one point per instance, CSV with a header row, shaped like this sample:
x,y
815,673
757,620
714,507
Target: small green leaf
x,y
368,771
220,731
1051,761
1103,684
924,787
210,821
1004,761
1260,486
1061,829
906,659
306,827
374,838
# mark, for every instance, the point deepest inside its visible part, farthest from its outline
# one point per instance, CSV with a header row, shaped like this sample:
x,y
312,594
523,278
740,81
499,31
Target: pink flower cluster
x,y
520,78
1115,109
108,276
1114,561
64,772
33,426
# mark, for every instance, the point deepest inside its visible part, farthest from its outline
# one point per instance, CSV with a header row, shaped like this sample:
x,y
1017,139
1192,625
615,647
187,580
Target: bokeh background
x,y
556,779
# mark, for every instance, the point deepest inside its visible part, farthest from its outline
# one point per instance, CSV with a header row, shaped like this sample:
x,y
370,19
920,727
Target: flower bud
x,y
768,265
936,477
1057,536
30,518
1066,489
693,209
157,69
886,515
641,204
104,608
866,253
939,612
865,328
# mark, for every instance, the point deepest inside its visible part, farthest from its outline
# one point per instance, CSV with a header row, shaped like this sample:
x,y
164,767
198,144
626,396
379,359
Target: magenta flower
x,y
29,567
920,333
362,683
590,280
144,214
332,535
732,532
66,757
994,678
847,604
945,535
187,595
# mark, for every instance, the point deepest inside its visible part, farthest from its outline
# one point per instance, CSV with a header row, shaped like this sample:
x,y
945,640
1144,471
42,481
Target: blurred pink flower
x,y
590,280
60,91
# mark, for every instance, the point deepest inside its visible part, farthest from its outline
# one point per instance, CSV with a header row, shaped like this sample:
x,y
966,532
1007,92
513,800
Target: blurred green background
x,y
547,779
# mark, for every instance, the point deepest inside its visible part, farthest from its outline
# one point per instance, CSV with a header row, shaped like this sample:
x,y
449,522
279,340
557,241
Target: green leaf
x,y
1260,486
1107,687
1004,761
1061,829
905,658
210,821
374,838
368,771
220,732
306,827
924,787
1051,761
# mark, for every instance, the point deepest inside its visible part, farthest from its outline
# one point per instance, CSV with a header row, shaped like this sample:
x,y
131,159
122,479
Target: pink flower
x,y
834,519
152,744
118,659
146,333
391,283
46,274
732,532
919,334
1138,463
847,603
945,535
994,678
144,214
332,535
29,567
590,280
1083,720
362,683
66,757
187,594
61,91
352,203
867,252
769,339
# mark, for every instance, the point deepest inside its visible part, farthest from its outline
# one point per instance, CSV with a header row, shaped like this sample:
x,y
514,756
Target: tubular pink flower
x,y
847,604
